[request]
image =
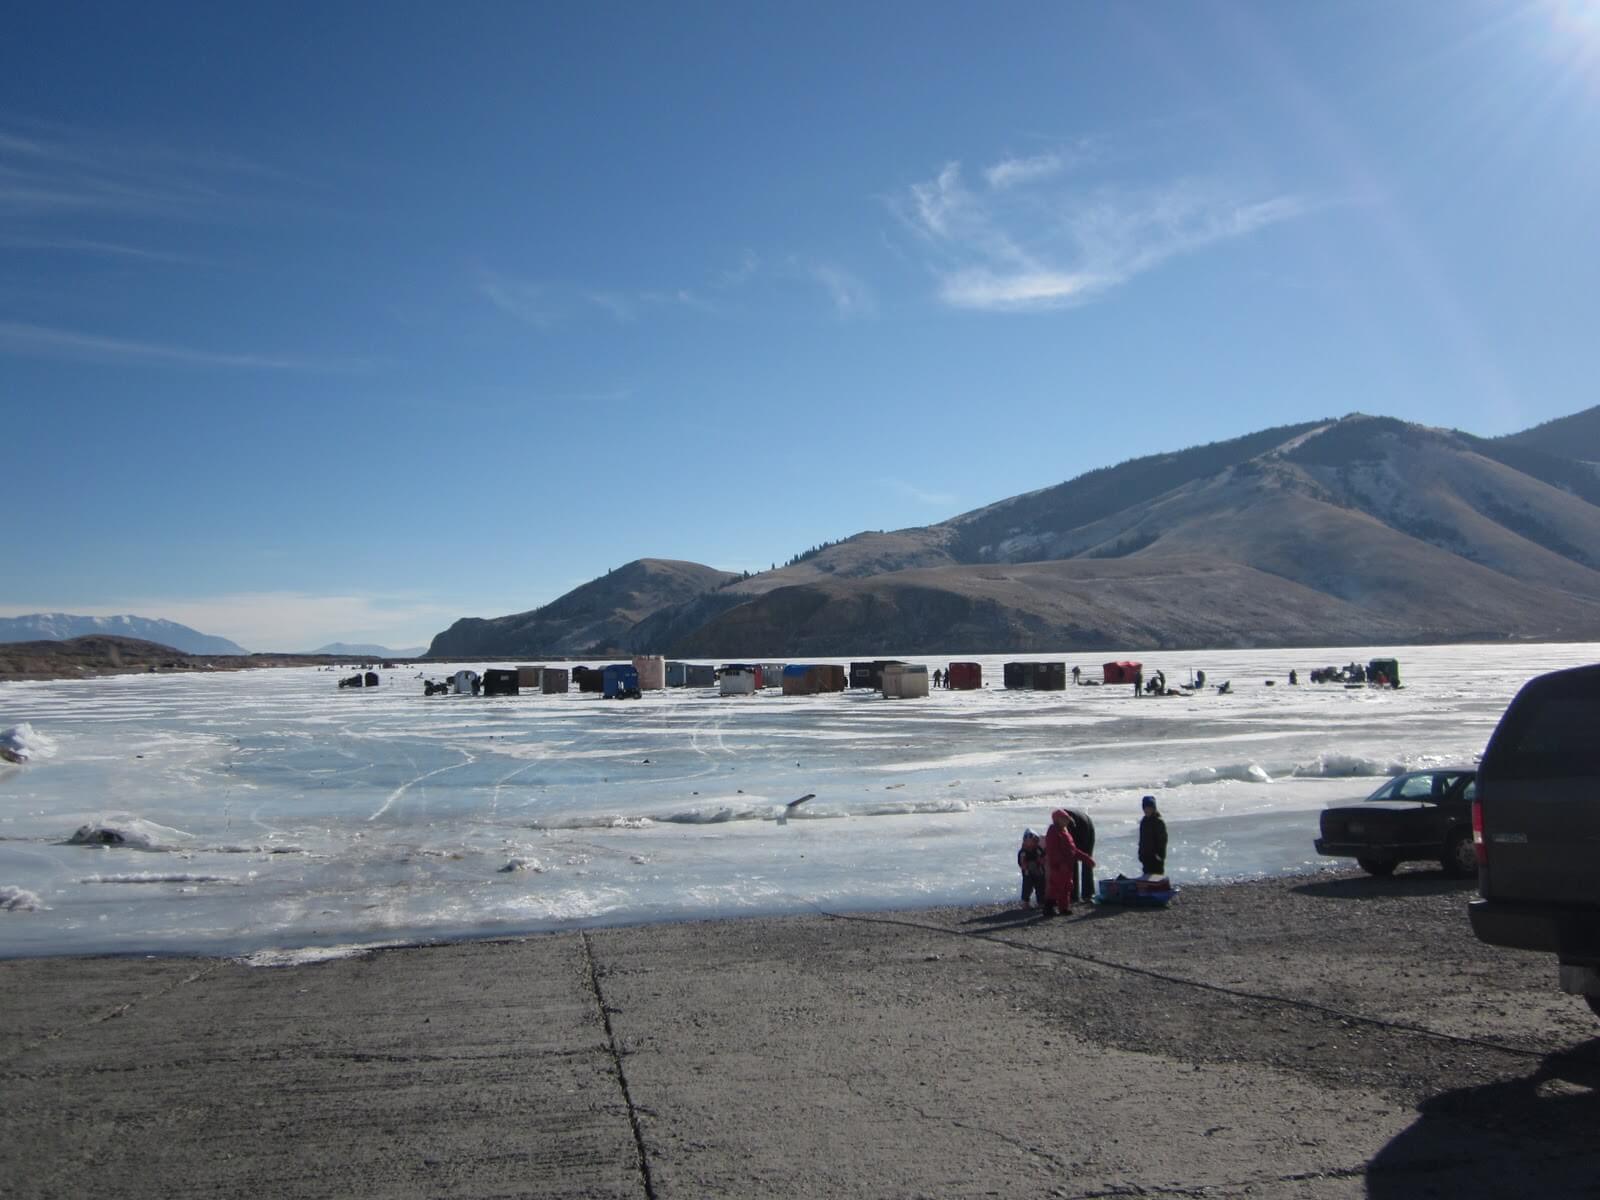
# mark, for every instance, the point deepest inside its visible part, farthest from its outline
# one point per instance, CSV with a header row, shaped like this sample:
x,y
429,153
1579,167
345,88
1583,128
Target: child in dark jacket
x,y
1030,861
1152,841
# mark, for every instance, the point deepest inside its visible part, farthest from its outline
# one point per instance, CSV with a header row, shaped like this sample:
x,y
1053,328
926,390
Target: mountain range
x,y
1347,530
60,627
369,650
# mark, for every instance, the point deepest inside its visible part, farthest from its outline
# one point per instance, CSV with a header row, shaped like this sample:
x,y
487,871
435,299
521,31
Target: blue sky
x,y
339,321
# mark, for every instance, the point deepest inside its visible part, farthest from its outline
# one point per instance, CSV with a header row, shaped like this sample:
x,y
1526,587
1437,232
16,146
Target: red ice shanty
x,y
1122,672
964,676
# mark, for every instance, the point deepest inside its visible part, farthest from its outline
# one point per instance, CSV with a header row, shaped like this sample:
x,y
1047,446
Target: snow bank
x,y
1343,766
126,832
15,899
22,742
522,864
1241,772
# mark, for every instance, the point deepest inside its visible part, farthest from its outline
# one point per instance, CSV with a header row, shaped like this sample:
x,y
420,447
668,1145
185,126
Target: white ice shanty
x,y
738,679
904,681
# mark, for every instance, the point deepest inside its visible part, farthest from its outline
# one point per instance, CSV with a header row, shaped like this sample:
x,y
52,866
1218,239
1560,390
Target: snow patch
x,y
1343,766
127,832
1240,772
306,955
15,899
22,742
520,863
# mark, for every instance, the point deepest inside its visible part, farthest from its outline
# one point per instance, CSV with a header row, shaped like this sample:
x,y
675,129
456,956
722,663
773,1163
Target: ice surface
x,y
267,810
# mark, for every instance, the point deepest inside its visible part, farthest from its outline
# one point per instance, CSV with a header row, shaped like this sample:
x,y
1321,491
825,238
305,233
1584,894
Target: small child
x,y
1030,861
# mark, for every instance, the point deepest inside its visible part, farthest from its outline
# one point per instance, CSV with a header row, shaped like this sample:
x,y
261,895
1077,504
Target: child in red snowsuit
x,y
1061,857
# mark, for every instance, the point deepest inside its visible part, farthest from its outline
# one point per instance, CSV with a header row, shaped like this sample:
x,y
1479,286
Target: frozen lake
x,y
270,810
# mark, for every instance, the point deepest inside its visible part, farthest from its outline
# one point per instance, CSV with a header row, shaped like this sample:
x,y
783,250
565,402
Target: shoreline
x,y
866,909
1324,1037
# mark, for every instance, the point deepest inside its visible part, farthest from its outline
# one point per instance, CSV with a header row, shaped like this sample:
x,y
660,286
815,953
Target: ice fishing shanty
x,y
652,670
905,681
810,679
619,681
500,682
689,675
739,679
964,676
528,677
589,679
1036,676
1121,672
870,674
554,681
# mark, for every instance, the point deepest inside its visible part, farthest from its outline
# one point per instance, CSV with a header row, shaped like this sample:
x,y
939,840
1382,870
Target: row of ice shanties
x,y
895,678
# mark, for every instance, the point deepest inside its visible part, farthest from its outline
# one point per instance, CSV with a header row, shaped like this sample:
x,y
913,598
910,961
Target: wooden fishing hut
x,y
652,670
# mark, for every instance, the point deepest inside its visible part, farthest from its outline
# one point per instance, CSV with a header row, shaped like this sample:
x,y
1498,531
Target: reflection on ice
x,y
235,812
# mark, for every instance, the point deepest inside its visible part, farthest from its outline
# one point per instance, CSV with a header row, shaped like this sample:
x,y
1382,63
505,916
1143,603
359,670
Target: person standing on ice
x,y
1152,841
1082,830
1061,856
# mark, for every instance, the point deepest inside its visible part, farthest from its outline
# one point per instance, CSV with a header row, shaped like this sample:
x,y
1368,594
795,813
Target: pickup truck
x,y
1536,828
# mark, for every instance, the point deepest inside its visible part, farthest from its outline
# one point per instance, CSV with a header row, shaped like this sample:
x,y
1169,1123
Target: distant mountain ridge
x,y
1343,530
369,650
60,627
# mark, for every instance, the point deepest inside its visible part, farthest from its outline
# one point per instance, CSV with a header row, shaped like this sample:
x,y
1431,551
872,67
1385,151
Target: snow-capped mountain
x,y
58,627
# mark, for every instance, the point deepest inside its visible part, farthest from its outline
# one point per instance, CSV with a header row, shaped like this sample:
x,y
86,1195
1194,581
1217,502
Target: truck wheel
x,y
1594,1004
1460,856
1377,866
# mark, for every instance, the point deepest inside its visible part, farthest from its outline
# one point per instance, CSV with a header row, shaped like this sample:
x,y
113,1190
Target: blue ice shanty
x,y
620,681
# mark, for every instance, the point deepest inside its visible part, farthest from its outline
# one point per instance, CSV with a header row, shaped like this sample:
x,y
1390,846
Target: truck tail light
x,y
1479,845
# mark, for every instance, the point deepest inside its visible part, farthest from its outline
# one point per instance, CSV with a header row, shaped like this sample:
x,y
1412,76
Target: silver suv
x,y
1536,827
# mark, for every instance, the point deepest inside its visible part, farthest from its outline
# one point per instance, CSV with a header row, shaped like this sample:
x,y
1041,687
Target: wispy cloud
x,y
527,302
749,265
545,305
17,337
932,499
1010,172
89,246
1029,243
850,295
49,172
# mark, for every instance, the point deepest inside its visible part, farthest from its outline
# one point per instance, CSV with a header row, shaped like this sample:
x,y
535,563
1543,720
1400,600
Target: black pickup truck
x,y
1536,827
